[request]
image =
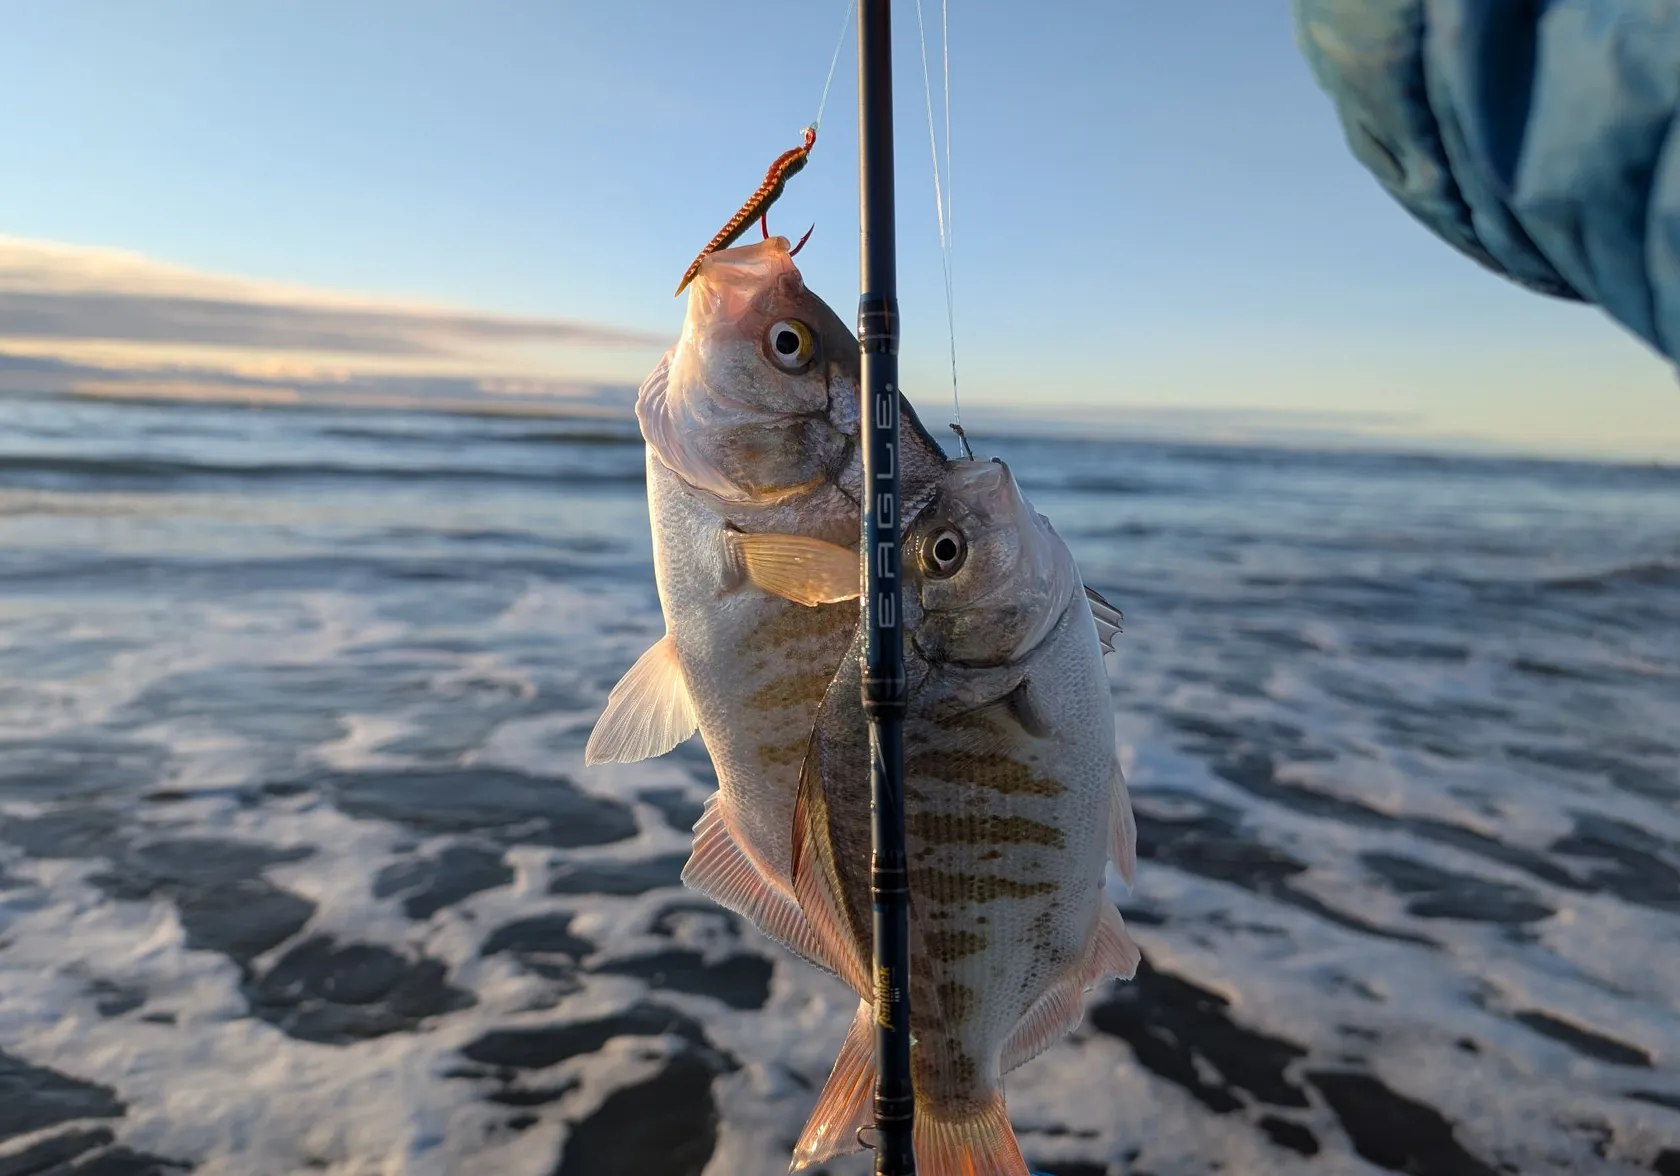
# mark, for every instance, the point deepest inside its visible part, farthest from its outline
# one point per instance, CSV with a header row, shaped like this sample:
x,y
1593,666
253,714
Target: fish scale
x,y
1013,804
741,456
753,490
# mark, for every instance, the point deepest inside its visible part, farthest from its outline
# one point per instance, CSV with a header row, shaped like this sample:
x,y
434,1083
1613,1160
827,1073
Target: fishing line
x,y
942,192
782,168
845,27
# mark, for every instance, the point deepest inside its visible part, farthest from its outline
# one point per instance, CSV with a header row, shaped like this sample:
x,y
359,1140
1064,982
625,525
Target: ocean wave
x,y
453,438
1108,485
70,573
35,469
1656,573
294,819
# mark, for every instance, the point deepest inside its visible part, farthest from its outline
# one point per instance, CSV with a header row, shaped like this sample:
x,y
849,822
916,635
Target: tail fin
x,y
847,1100
979,1144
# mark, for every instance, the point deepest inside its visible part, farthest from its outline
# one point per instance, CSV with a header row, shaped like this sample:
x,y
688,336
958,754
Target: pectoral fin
x,y
1026,711
796,567
1019,708
648,713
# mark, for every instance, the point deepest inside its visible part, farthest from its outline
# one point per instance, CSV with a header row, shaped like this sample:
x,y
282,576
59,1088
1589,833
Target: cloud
x,y
99,321
447,393
54,291
157,318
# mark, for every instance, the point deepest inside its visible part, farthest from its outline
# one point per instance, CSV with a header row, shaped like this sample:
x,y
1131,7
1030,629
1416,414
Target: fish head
x,y
991,576
759,398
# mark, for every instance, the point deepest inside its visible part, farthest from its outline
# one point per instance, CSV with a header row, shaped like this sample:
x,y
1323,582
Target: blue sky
x,y
1153,206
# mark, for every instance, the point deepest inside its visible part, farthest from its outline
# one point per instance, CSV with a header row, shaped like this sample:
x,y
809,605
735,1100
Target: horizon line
x,y
1234,428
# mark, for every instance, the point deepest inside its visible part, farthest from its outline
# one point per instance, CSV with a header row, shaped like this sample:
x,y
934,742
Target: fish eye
x,y
791,344
943,553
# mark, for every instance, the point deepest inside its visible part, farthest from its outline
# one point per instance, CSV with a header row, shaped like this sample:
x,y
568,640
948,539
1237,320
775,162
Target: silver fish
x,y
1014,800
753,475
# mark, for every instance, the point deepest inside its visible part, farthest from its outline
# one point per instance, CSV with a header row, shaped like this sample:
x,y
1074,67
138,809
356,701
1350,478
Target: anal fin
x,y
847,1099
647,714
1114,954
721,870
1058,1012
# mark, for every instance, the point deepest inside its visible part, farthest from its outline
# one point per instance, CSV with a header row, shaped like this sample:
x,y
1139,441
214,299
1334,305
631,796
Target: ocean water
x,y
301,870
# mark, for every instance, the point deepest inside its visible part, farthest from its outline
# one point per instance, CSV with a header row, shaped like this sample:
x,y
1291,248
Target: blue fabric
x,y
1533,135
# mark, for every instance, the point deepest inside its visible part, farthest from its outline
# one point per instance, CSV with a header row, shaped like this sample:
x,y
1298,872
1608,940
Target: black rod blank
x,y
883,673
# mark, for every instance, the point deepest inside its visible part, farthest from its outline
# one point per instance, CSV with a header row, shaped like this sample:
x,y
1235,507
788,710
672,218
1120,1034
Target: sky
x,y
1153,213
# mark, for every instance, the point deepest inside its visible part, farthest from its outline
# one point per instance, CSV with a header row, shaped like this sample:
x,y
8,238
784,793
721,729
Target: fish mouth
x,y
731,280
986,487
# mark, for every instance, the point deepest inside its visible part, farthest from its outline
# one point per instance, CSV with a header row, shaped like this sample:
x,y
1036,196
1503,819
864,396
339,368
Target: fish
x,y
1014,802
754,477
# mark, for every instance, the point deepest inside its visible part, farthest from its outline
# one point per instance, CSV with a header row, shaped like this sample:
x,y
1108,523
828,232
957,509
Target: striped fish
x,y
753,475
1014,801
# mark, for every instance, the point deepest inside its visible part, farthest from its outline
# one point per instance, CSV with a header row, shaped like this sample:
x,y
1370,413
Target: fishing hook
x,y
757,207
963,437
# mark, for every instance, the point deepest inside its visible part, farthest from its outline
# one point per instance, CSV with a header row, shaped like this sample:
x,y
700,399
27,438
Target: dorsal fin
x,y
1106,616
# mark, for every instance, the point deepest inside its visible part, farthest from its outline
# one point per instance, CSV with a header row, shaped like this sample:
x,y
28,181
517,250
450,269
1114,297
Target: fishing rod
x,y
884,687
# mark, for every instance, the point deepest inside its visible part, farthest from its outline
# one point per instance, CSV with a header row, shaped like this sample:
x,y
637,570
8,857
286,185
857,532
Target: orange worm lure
x,y
757,207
